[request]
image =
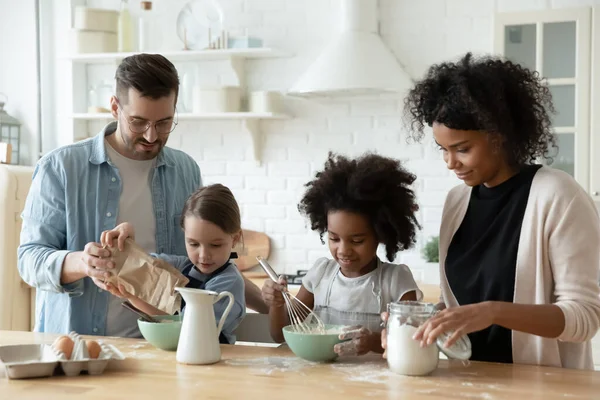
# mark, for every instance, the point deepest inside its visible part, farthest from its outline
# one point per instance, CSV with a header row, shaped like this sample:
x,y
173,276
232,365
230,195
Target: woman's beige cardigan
x,y
558,262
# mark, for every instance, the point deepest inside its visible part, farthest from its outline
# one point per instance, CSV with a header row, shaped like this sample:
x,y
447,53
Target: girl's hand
x,y
362,341
384,317
120,232
460,320
271,292
119,291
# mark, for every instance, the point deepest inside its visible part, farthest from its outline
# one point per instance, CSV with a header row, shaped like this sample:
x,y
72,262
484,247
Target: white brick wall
x,y
419,32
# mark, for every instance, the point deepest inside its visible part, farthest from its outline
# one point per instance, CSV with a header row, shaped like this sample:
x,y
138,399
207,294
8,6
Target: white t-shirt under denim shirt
x,y
355,294
135,207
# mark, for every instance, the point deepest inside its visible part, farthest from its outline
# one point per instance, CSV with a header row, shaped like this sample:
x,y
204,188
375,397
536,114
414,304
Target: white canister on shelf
x,y
96,19
222,99
93,42
265,102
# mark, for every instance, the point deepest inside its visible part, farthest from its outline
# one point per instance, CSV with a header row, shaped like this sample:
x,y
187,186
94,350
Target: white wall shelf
x,y
251,122
80,70
183,55
191,116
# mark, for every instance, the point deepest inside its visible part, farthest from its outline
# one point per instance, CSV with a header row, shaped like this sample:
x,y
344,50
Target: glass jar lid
x,y
461,350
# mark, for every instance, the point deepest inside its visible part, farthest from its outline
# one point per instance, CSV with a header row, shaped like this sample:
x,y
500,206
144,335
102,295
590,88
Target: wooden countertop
x,y
274,373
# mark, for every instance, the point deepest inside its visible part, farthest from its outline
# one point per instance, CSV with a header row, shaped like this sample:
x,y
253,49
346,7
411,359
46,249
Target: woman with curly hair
x,y
519,242
359,203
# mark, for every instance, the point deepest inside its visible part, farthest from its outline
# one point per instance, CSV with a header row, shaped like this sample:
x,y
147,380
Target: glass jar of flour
x,y
404,354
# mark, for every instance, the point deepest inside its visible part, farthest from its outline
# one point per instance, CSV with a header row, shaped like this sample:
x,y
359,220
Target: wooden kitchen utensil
x,y
139,312
255,244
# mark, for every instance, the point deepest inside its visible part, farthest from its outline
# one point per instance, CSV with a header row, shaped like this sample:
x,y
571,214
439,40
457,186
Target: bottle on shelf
x,y
125,36
146,30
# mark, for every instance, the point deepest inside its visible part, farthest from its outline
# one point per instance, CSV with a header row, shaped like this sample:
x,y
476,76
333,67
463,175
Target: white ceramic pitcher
x,y
199,338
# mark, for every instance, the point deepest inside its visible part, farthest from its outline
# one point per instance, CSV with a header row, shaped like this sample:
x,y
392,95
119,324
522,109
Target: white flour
x,y
321,331
354,369
269,365
140,355
371,372
406,356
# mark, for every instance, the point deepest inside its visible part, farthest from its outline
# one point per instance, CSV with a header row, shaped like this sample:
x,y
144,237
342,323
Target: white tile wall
x,y
420,33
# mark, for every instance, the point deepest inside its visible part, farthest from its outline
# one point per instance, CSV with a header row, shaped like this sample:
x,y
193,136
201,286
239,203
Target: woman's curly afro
x,y
371,185
487,94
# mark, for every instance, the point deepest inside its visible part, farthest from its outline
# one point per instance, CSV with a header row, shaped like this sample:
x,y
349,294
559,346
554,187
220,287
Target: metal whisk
x,y
302,318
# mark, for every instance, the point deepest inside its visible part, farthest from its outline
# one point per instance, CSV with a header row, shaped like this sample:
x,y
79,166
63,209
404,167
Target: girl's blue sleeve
x,y
179,262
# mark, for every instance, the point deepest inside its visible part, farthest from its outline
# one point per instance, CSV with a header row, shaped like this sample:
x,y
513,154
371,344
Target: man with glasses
x,y
125,173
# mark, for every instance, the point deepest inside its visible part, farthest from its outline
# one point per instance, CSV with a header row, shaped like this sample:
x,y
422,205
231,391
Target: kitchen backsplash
x,y
293,151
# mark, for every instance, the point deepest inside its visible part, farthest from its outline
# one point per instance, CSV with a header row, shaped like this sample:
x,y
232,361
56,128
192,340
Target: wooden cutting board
x,y
255,244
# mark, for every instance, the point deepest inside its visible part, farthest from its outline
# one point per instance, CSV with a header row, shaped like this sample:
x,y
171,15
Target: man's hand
x,y
120,232
95,262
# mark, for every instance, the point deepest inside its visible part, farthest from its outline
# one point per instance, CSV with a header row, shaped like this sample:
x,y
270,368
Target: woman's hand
x,y
362,341
272,292
120,232
460,321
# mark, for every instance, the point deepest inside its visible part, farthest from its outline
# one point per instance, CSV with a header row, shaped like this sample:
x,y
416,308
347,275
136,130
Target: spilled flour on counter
x,y
139,355
378,373
372,372
269,365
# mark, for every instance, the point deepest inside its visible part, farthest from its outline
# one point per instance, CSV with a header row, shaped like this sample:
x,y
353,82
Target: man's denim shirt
x,y
74,196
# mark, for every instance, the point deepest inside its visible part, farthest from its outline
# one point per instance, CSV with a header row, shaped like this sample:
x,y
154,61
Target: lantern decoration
x,y
10,130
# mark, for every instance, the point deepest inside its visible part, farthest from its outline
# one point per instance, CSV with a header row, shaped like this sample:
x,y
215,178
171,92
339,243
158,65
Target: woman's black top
x,y
482,256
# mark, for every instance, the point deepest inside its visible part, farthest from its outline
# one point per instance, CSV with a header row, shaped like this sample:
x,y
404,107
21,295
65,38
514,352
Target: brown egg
x,y
65,345
94,348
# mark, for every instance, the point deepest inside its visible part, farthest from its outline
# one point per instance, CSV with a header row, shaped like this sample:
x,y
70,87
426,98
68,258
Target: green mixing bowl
x,y
311,346
165,336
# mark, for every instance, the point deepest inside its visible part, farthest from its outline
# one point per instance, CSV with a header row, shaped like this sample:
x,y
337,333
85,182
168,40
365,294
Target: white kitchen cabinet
x,y
558,44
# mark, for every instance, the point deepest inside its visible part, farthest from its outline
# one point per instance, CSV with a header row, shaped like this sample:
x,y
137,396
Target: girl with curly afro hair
x,y
519,242
360,203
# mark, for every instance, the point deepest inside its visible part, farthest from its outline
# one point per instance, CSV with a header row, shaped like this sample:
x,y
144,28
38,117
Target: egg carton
x,y
36,361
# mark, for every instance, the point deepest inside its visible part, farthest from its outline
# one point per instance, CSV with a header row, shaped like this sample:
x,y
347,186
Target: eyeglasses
x,y
141,126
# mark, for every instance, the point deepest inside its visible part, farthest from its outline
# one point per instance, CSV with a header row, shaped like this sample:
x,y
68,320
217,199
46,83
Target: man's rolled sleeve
x,y
43,234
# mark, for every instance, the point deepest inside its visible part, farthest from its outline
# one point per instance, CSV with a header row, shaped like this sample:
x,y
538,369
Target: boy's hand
x,y
271,292
120,232
362,341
